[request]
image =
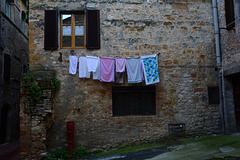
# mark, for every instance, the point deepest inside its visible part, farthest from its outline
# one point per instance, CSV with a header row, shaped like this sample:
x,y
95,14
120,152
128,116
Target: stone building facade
x,y
229,24
13,61
182,31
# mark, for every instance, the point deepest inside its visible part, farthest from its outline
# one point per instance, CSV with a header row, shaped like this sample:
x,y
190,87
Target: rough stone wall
x,y
230,50
230,119
15,44
230,40
35,120
181,30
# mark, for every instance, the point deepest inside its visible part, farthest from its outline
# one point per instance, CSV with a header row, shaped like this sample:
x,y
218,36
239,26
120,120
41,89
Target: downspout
x,y
219,63
216,32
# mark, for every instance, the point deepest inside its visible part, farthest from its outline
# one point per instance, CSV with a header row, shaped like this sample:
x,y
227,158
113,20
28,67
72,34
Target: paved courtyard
x,y
204,148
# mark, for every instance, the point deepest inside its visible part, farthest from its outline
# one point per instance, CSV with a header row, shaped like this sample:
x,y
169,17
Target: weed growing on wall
x,y
35,83
35,91
55,83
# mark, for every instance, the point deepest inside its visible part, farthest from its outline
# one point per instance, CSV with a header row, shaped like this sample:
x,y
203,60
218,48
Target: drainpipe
x,y
216,32
219,62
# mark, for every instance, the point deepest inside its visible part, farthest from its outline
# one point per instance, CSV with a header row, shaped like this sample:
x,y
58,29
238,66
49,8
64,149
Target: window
x,y
140,100
72,30
24,2
237,10
8,8
7,67
213,94
77,29
23,21
229,13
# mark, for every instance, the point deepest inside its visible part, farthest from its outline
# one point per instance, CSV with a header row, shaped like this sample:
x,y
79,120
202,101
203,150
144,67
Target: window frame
x,y
7,67
139,109
23,15
230,14
213,95
7,5
237,10
73,13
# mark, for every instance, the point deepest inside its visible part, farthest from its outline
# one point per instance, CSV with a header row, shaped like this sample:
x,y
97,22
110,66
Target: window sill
x,y
134,117
73,48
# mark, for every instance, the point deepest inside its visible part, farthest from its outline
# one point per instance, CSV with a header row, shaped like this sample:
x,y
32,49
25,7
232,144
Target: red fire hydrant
x,y
70,133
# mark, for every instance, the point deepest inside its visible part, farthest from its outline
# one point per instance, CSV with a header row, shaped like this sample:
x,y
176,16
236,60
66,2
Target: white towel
x,y
97,74
83,71
92,63
73,60
134,73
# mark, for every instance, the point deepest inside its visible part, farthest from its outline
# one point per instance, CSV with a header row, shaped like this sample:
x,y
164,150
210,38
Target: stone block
x,y
180,6
198,89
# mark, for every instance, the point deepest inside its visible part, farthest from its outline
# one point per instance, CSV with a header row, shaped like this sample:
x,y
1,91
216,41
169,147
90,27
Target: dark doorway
x,y
4,120
236,94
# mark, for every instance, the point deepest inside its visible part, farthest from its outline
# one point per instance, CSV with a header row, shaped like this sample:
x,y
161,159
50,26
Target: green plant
x,y
28,77
35,91
60,153
55,83
80,152
50,158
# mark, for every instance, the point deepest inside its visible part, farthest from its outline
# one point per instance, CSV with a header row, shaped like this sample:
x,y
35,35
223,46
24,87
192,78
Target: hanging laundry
x,y
83,71
73,60
150,68
119,77
107,69
134,73
120,64
97,74
143,77
92,63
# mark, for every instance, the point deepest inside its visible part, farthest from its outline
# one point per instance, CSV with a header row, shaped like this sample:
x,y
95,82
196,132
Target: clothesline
x,y
122,57
104,68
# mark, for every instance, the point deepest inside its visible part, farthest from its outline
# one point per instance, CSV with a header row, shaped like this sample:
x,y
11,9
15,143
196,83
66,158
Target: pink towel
x,y
120,64
107,69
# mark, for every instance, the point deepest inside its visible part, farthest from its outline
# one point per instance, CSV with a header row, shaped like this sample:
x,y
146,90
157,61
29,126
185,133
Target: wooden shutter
x,y
7,67
213,94
229,13
93,29
51,30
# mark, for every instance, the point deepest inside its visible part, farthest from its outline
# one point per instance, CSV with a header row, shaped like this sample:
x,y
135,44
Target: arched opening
x,y
3,126
23,15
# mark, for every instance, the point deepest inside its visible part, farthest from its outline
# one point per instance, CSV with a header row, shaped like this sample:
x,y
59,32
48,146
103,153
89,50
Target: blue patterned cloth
x,y
150,67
